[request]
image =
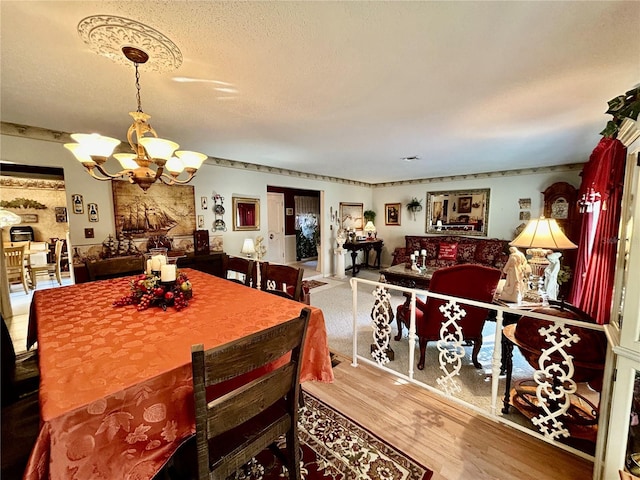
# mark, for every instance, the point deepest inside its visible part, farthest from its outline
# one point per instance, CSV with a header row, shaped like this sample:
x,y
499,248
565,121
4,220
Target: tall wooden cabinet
x,y
619,431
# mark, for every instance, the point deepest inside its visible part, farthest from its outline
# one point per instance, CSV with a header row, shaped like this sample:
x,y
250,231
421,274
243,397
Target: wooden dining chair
x,y
235,427
283,280
50,269
238,269
14,264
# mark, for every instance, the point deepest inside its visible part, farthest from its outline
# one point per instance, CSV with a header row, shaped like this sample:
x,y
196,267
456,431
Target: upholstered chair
x,y
473,282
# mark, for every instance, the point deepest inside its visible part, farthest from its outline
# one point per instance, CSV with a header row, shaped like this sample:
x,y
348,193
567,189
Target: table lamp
x,y
248,248
370,228
541,237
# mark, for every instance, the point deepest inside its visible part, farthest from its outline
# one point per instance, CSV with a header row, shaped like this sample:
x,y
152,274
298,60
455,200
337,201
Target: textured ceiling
x,y
344,89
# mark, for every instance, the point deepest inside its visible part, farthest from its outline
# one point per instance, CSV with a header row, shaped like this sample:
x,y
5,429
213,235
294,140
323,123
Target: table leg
x,y
507,365
354,265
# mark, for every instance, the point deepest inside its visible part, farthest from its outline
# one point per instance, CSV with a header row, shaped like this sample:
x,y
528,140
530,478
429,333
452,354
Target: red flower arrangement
x,y
147,291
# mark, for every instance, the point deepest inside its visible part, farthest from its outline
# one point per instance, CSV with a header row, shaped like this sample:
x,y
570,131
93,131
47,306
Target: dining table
x,y
116,391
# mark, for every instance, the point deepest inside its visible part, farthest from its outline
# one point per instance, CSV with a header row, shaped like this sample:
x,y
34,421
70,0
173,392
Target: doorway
x,y
302,225
38,196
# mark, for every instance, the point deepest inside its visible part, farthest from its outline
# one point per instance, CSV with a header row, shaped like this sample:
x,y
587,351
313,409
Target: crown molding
x,y
43,134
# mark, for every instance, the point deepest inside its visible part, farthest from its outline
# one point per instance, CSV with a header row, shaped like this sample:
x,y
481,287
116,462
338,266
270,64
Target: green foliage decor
x,y
22,203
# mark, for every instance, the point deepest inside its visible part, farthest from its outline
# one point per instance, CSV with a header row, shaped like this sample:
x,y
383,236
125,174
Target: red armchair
x,y
473,282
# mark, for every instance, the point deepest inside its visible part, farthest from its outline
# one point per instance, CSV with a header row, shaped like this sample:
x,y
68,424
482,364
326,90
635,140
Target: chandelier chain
x,y
138,88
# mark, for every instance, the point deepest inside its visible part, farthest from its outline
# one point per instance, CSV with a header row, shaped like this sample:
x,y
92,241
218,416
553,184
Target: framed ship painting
x,y
162,210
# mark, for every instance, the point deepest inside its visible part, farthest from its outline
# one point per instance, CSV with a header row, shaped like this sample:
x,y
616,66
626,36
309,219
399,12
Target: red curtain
x,y
600,201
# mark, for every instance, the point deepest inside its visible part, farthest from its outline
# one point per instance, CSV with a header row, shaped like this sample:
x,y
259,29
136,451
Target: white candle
x,y
416,253
148,270
423,252
155,263
168,273
163,260
413,256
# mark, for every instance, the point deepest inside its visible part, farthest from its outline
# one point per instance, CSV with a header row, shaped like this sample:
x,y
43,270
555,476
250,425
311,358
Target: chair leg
x,y
293,462
399,321
423,350
24,284
477,344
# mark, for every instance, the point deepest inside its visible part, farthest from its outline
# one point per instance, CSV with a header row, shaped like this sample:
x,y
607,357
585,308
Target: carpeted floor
x,y
334,447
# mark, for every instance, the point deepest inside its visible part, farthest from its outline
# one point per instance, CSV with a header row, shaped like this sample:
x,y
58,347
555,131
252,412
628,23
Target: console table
x,y
366,246
130,265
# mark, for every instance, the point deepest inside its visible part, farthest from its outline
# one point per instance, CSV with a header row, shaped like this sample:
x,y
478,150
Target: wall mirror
x,y
246,213
458,212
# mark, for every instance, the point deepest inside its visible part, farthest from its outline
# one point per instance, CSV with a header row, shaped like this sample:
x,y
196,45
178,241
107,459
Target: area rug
x,y
336,448
314,283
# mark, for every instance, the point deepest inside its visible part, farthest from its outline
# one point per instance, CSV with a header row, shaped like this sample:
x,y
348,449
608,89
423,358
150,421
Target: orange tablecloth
x,y
116,387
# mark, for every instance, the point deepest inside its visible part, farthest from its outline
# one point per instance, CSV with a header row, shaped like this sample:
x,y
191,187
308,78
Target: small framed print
x,y
525,215
289,211
88,233
78,203
203,203
216,243
392,213
61,214
201,223
92,209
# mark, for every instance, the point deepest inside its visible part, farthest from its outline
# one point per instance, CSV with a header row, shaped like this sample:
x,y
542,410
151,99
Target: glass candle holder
x,y
154,259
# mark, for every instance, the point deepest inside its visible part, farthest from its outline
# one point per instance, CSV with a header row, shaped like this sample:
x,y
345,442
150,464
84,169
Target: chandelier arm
x,y
171,180
109,176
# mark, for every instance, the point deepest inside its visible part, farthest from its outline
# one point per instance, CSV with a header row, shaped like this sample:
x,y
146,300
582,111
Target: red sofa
x,y
448,250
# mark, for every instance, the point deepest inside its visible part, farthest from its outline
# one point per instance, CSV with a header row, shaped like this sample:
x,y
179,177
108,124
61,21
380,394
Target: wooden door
x,y
275,233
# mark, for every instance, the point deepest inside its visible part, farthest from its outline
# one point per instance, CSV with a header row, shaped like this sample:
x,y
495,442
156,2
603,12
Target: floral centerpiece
x,y
147,290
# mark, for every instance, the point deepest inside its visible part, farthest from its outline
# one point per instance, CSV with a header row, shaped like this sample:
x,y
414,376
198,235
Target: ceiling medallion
x,y
108,35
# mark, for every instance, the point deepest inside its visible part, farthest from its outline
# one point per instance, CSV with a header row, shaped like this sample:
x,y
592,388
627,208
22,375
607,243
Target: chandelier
x,y
152,158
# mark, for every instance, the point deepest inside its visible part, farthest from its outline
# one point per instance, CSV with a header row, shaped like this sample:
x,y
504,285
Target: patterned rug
x,y
335,448
314,283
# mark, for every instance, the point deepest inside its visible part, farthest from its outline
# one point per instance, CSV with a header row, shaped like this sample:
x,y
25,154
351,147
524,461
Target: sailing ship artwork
x,y
162,210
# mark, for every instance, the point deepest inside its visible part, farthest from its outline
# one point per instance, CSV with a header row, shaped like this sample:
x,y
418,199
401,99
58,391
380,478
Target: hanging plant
x,y
415,205
369,215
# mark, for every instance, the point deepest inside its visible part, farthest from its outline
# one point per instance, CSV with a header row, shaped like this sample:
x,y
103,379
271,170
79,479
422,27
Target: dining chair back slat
x,y
14,265
232,267
283,280
51,269
233,428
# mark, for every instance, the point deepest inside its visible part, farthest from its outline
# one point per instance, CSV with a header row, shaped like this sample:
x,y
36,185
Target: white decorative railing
x,y
553,381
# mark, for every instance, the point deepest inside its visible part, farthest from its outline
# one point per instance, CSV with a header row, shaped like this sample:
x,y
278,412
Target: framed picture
x,y
216,243
392,213
201,223
351,216
465,205
203,203
162,210
92,209
61,214
456,212
289,211
78,203
29,217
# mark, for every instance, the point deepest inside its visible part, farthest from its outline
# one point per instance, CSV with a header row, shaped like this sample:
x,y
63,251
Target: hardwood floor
x,y
455,443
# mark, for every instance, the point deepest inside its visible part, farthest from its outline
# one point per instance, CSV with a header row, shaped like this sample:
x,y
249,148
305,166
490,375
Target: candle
x,y
416,253
423,252
148,270
156,263
168,273
413,256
